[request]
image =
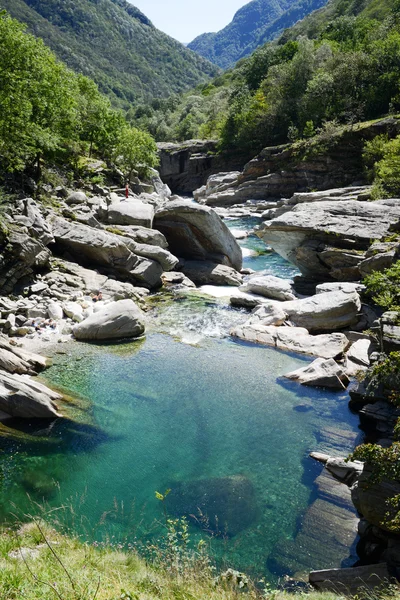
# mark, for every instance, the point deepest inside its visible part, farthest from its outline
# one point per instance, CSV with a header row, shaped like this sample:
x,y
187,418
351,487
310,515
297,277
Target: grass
x,y
57,566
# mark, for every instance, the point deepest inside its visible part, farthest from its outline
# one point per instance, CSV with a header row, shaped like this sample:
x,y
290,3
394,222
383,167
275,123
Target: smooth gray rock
x,y
196,232
91,246
330,311
117,320
77,198
294,339
17,360
131,212
340,286
269,287
142,235
210,273
22,397
269,313
321,373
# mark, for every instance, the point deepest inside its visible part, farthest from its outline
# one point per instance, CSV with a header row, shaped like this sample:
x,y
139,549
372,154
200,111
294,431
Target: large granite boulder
x,y
20,258
211,273
373,499
222,506
20,396
330,239
114,253
117,320
330,311
131,212
321,373
17,360
294,339
196,232
269,287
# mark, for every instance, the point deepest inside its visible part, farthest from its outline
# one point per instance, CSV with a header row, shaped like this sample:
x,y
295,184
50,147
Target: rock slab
x,y
117,320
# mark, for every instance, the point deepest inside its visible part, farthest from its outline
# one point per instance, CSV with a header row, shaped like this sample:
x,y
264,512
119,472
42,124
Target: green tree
x,y
136,151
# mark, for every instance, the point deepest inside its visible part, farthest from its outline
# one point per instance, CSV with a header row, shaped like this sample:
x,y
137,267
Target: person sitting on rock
x,y
98,297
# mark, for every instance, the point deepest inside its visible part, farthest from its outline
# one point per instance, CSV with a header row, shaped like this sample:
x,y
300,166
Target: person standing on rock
x,y
127,191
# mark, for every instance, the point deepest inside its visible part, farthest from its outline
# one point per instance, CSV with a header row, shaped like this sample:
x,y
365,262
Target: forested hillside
x,y
50,115
112,42
345,70
252,26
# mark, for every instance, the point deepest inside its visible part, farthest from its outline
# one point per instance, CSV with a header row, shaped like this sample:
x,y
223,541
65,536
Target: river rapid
x,y
186,404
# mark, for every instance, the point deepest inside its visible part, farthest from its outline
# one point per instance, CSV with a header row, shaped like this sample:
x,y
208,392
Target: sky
x,y
186,19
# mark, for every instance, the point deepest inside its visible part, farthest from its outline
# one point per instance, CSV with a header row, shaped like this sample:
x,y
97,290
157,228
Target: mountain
x,y
115,44
253,25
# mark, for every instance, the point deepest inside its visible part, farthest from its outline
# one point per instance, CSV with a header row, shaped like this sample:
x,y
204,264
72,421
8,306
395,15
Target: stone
x,y
330,311
76,198
352,582
221,506
270,287
359,353
294,339
131,212
141,235
37,225
321,373
269,313
196,232
174,278
117,320
22,257
55,311
210,273
330,238
90,246
340,286
22,397
243,300
74,311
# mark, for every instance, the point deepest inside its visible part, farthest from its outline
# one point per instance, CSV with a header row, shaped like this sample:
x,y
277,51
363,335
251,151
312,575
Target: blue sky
x,y
185,19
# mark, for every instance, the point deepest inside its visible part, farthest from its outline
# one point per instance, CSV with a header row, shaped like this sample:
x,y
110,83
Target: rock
x,y
269,313
186,166
270,287
359,353
196,232
141,235
113,252
352,582
294,339
117,320
340,286
321,373
76,198
22,397
329,311
37,226
131,212
74,311
28,361
22,257
222,506
330,238
55,311
251,301
390,326
173,279
205,272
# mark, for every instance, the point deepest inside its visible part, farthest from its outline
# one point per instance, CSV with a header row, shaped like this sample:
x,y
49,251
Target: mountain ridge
x,y
115,44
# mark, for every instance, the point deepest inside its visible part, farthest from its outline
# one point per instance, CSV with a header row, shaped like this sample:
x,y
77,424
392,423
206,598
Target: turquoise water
x,y
193,417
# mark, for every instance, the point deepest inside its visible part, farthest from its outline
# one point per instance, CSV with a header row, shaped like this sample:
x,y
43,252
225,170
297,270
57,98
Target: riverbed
x,y
187,404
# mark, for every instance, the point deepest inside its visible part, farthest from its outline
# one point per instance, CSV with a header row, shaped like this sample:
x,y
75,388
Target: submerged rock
x,y
222,506
117,320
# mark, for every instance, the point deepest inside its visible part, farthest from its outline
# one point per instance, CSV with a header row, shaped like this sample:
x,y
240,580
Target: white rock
x,y
77,198
270,287
321,373
20,396
74,311
55,311
117,320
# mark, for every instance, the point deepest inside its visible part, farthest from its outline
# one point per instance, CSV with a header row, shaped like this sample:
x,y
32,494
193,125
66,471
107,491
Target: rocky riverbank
x,y
84,263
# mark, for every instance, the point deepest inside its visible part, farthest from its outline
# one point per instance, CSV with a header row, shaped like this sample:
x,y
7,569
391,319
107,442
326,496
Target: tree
x,y
136,150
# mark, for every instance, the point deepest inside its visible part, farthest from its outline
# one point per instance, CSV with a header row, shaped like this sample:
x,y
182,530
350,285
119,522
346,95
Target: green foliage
x,y
114,44
49,113
382,160
135,150
384,463
252,26
386,373
384,287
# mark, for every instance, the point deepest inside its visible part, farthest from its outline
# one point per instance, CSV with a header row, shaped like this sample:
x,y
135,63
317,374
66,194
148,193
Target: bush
x,y
384,287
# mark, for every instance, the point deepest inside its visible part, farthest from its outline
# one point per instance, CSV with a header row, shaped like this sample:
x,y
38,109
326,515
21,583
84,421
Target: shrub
x,y
384,287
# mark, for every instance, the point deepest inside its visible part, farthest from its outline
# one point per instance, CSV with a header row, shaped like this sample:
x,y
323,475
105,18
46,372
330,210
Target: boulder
x,y
196,232
141,235
340,286
131,212
76,198
221,506
294,339
117,320
372,499
22,397
269,313
17,360
270,287
176,279
329,311
113,252
321,373
330,239
210,273
21,257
